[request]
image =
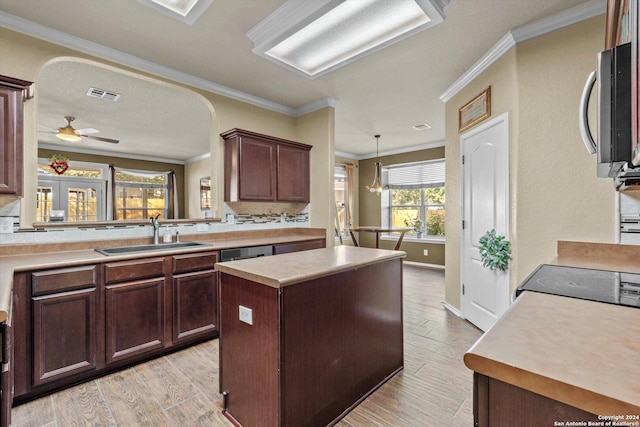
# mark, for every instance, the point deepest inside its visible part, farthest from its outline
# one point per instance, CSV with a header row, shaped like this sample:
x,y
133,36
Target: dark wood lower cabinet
x,y
195,305
134,318
497,404
76,323
64,335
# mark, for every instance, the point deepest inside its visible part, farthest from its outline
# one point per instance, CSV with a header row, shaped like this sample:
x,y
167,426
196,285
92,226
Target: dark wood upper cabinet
x,y
12,93
265,168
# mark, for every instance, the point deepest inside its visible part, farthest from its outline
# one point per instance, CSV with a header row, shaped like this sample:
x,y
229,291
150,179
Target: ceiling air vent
x,y
94,92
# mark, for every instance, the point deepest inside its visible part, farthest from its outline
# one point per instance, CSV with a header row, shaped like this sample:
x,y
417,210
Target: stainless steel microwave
x,y
613,78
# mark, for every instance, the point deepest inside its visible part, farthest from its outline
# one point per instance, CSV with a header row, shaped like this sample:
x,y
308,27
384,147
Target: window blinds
x,y
416,175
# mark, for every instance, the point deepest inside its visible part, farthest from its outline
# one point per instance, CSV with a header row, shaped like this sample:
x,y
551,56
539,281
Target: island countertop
x,y
296,267
578,352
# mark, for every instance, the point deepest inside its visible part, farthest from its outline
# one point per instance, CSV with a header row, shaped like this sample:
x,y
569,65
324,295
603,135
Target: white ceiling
x,y
385,93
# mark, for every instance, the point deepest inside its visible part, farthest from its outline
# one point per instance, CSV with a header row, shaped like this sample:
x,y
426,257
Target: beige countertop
x,y
297,267
56,255
582,353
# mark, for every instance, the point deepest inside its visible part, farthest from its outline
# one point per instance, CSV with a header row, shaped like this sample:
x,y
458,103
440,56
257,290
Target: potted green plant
x,y
495,251
418,226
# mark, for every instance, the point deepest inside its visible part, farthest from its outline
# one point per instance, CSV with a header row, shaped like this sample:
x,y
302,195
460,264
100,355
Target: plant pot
x,y
419,234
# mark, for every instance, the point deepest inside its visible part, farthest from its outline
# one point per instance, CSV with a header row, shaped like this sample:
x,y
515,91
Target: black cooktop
x,y
611,287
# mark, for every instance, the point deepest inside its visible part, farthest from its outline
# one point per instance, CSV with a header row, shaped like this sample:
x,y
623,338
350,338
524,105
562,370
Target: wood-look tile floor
x,y
181,389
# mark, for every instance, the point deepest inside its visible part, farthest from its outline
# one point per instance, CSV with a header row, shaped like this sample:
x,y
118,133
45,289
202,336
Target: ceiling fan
x,y
68,133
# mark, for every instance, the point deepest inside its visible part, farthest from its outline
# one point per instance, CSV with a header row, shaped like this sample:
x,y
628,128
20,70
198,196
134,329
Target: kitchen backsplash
x,y
630,217
244,222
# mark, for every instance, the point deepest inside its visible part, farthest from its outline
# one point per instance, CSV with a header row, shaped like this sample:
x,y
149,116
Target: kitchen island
x,y
305,337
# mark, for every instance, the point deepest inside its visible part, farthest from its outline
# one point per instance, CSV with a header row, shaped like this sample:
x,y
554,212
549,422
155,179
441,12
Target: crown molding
x,y
521,34
309,108
61,38
74,149
403,150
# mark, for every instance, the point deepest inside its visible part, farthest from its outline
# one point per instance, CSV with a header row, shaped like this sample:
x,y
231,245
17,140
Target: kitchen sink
x,y
148,248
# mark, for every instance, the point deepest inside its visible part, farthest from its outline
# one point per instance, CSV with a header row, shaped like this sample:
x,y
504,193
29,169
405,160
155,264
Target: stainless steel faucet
x,y
156,227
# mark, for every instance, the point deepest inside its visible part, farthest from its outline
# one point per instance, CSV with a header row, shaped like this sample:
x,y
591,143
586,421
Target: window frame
x,y
387,204
143,186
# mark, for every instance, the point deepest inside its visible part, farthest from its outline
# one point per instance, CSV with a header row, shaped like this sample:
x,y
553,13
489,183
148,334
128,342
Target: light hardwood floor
x,y
181,389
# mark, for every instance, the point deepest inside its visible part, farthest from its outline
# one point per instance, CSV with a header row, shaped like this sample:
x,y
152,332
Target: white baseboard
x,y
452,309
424,265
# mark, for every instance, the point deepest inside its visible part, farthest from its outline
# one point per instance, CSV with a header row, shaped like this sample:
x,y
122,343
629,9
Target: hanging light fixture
x,y
376,186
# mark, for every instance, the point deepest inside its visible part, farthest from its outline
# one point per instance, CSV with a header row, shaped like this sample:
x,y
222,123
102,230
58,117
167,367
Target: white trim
x,y
452,309
190,18
527,32
396,151
33,29
424,265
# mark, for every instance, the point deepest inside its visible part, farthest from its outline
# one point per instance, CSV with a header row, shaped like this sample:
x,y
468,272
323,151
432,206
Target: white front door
x,y
485,206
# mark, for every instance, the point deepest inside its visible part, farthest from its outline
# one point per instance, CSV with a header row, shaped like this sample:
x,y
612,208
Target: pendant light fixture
x,y
376,186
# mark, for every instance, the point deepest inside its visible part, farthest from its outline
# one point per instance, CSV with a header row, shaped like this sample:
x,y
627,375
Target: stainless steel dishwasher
x,y
246,252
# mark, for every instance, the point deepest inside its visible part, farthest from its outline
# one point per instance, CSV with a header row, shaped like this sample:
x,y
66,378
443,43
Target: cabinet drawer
x,y
194,262
63,279
133,269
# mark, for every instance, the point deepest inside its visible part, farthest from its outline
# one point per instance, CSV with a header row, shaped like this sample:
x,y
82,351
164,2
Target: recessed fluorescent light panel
x,y
313,38
187,11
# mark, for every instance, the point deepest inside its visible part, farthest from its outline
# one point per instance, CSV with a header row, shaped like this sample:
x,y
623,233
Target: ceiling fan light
x,y
68,134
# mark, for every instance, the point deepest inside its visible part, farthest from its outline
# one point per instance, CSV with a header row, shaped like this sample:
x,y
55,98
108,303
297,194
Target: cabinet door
x,y
293,174
64,334
10,141
257,167
195,305
134,318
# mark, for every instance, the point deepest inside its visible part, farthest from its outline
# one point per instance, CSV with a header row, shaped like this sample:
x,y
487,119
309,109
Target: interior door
x,y
485,170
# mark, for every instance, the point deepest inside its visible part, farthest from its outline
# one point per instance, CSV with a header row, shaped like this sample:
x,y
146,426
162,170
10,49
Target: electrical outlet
x,y
246,315
202,227
426,252
6,225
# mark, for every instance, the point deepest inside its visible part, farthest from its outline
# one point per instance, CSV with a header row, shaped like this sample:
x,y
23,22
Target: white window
x,y
415,197
142,194
79,192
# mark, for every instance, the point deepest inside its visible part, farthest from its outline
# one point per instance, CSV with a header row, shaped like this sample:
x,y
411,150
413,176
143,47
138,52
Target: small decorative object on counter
x,y
166,236
59,163
495,251
418,226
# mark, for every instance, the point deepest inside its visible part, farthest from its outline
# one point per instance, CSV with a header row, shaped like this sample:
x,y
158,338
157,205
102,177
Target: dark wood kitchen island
x,y
306,336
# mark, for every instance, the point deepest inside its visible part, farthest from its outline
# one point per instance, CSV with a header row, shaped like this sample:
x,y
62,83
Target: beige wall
x,y
23,57
555,194
370,207
318,129
193,172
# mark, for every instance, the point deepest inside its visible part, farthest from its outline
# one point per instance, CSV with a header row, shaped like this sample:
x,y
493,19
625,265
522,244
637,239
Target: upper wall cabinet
x,y
12,93
264,168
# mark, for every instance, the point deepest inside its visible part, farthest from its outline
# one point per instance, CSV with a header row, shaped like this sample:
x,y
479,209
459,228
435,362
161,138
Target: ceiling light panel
x,y
181,7
314,38
187,11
